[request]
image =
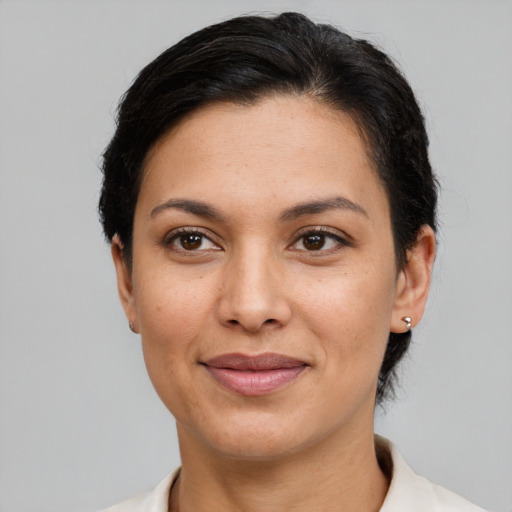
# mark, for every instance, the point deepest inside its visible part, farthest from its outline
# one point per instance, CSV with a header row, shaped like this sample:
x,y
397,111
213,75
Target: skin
x,y
253,284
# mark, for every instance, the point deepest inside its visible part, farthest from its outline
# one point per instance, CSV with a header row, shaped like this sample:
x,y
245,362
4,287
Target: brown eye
x,y
191,241
313,242
319,240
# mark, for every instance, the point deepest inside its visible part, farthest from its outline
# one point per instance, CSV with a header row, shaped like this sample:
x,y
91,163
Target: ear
x,y
413,283
124,282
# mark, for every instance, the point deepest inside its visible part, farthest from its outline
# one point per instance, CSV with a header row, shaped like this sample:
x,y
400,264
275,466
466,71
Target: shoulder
x,y
151,501
409,491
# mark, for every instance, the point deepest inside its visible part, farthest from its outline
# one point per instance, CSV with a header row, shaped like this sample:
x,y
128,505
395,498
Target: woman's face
x,y
264,282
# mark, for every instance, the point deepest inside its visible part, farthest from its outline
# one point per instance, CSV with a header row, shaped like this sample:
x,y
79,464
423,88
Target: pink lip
x,y
254,375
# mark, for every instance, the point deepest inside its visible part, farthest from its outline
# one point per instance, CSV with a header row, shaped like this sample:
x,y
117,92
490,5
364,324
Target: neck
x,y
339,473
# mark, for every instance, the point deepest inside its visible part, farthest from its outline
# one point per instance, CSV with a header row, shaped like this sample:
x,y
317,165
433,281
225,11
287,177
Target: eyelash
x,y
174,235
325,232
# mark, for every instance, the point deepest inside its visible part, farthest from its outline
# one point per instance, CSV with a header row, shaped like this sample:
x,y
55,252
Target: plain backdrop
x,y
80,425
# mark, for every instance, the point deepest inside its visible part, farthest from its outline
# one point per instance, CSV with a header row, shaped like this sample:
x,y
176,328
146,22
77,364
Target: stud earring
x,y
132,327
408,322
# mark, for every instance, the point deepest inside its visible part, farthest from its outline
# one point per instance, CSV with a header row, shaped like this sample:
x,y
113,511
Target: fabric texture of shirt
x,y
408,492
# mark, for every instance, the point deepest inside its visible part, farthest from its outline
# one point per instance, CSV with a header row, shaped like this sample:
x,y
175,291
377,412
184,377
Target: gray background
x,y
80,425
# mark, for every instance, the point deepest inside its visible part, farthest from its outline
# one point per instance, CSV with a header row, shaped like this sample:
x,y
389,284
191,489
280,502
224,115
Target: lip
x,y
254,375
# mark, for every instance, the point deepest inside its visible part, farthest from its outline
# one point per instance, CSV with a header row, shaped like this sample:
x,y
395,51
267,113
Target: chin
x,y
258,436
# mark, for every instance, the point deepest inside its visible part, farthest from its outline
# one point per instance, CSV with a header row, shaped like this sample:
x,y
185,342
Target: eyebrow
x,y
195,207
308,208
322,205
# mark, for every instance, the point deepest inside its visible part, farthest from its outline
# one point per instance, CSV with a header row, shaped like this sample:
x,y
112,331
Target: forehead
x,y
281,147
262,121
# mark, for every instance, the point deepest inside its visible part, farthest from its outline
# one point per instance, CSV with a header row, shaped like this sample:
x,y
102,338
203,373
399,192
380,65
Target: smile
x,y
254,375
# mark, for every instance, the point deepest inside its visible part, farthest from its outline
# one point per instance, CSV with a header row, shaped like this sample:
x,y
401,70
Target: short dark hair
x,y
247,58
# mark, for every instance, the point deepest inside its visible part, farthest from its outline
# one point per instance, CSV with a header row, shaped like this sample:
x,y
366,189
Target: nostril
x,y
268,321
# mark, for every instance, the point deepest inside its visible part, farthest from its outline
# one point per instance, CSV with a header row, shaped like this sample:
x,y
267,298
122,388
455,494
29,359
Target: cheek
x,y
171,309
354,300
172,313
350,314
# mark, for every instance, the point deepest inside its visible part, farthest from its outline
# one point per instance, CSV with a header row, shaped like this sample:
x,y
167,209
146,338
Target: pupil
x,y
314,242
191,241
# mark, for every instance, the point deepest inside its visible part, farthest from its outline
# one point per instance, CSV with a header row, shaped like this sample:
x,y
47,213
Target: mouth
x,y
254,375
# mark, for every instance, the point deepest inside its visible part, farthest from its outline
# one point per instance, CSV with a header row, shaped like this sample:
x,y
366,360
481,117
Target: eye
x,y
318,240
190,240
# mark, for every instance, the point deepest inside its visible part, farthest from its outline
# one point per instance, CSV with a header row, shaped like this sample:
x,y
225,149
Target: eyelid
x,y
185,230
341,237
337,234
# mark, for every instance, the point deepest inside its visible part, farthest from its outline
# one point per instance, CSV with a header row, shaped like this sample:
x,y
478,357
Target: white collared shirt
x,y
407,492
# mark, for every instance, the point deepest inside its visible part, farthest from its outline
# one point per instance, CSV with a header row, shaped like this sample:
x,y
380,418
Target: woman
x,y
271,209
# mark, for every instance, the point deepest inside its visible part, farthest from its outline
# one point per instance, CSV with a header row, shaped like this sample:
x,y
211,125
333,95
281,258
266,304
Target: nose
x,y
253,295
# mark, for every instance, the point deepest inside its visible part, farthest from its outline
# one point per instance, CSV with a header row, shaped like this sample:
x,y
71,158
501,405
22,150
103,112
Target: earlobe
x,y
124,282
413,283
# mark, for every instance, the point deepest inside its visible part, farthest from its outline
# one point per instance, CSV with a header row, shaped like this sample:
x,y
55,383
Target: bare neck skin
x,y
340,472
